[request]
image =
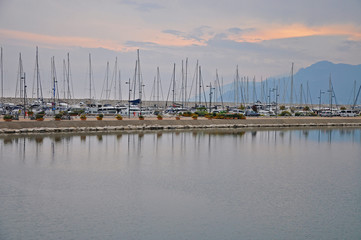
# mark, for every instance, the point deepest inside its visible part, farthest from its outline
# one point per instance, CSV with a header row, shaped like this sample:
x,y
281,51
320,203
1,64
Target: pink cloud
x,y
54,41
297,30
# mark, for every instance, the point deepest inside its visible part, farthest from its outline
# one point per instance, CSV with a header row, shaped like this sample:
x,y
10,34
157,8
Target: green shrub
x,y
8,117
58,116
285,113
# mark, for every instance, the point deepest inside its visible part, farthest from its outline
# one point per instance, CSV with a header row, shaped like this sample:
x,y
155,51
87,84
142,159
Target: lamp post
x,y
319,105
277,95
269,101
141,104
210,96
23,78
331,96
128,98
269,96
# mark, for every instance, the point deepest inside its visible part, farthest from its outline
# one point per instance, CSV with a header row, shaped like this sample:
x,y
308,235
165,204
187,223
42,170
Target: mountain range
x,y
345,80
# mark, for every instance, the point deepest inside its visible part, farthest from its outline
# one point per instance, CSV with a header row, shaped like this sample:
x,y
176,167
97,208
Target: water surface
x,y
274,184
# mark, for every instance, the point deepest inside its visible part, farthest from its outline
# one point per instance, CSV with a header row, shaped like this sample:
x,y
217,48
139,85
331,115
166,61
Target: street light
x,y
331,96
23,78
210,96
269,96
319,105
129,98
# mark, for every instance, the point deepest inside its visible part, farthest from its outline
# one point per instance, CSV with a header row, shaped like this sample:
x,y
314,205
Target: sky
x,y
262,37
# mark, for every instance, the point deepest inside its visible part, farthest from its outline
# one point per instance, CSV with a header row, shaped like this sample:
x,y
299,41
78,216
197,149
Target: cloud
x,y
174,32
139,44
143,7
59,41
236,30
269,32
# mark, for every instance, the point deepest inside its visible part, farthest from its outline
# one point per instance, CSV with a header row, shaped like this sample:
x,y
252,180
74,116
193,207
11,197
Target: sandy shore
x,y
110,124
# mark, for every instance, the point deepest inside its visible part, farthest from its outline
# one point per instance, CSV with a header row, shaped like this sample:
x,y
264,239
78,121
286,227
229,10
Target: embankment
x,y
27,126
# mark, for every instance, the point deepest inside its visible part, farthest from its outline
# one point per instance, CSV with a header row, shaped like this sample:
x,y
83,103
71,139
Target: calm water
x,y
294,184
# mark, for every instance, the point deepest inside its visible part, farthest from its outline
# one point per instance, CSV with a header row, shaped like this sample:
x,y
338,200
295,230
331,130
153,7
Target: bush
x,y
8,117
39,115
201,113
58,116
285,113
187,114
306,108
230,116
100,115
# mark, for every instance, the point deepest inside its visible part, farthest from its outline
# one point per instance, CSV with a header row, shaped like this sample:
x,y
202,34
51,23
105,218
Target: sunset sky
x,y
262,37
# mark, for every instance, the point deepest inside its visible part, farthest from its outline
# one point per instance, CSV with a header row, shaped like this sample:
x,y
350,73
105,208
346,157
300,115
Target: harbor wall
x,y
26,126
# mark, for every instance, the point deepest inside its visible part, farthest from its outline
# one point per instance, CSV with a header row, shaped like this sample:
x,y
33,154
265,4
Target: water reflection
x,y
174,145
143,185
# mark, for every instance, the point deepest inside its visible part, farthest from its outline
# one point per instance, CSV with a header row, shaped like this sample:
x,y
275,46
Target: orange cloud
x,y
54,41
297,30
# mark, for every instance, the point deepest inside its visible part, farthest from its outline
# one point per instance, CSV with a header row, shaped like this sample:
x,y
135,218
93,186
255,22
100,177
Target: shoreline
x,y
24,126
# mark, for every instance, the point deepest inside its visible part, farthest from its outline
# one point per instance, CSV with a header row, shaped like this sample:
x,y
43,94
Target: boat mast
x,y
182,87
219,88
115,77
64,78
68,78
354,91
185,83
237,87
254,90
2,74
173,90
39,91
90,77
291,99
196,91
120,86
106,86
200,86
54,83
139,77
158,85
331,93
19,82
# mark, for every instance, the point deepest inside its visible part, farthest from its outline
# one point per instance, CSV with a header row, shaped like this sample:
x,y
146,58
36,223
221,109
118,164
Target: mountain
x,y
316,76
